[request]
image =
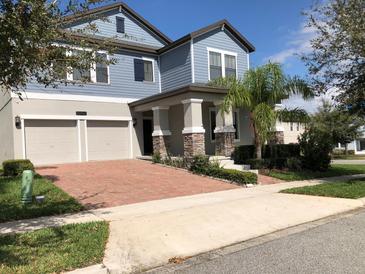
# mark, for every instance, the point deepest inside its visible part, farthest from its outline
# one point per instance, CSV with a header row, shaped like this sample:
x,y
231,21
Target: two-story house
x,y
155,98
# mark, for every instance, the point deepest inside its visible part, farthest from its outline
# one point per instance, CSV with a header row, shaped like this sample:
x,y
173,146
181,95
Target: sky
x,y
275,27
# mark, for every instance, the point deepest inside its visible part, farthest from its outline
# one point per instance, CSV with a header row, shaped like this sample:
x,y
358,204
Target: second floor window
x,y
215,65
95,73
143,70
230,65
222,64
102,69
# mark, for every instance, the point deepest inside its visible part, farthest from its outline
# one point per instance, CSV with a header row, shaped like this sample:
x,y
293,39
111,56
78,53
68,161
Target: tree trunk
x,y
258,150
346,149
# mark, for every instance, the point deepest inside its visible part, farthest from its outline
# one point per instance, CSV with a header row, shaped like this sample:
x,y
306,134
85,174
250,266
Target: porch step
x,y
227,163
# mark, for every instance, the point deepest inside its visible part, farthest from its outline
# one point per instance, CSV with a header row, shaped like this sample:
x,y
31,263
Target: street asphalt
x,y
335,247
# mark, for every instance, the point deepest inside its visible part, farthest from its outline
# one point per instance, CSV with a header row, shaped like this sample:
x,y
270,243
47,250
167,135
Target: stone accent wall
x,y
224,143
161,145
278,138
194,144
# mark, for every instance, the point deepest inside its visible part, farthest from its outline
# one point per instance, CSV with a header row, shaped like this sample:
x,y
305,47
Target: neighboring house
x,y
358,145
155,98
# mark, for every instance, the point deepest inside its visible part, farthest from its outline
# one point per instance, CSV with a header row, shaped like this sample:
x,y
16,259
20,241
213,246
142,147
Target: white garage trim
x,y
79,139
130,126
77,118
86,144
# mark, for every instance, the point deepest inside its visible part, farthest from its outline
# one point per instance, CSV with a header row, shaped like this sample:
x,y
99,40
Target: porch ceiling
x,y
174,97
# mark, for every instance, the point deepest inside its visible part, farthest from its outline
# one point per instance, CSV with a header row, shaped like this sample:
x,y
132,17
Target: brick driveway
x,y
113,183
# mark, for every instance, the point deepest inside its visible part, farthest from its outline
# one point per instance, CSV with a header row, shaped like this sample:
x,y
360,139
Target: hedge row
x,y
243,153
202,165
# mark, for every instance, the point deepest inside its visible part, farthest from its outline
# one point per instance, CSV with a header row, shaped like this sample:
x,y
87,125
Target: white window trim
x,y
69,75
212,109
153,68
222,53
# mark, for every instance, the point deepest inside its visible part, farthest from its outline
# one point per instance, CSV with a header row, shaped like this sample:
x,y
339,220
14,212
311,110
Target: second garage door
x,y
107,140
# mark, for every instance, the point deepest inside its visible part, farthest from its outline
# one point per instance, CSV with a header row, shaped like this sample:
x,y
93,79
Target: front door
x,y
147,136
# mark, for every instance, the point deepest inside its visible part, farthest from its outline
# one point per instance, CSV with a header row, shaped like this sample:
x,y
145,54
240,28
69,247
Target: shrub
x,y
156,158
233,175
257,163
242,153
294,163
281,151
316,146
200,164
174,162
16,167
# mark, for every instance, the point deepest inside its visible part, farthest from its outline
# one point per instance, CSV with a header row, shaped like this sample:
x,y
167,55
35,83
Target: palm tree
x,y
259,90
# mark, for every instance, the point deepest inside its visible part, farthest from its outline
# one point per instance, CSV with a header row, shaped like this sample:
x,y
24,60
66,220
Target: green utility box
x,y
27,187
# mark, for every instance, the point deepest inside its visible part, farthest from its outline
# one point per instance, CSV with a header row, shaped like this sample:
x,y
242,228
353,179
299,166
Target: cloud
x,y
299,43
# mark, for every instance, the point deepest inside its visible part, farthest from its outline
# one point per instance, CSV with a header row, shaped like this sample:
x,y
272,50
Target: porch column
x,y
161,133
224,132
193,132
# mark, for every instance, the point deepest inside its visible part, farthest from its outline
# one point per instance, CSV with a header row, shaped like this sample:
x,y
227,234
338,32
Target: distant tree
x,y
259,91
337,61
30,31
342,126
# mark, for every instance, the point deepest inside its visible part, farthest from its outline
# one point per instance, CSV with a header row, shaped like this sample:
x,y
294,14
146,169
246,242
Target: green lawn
x,y
56,200
52,250
348,157
353,189
335,170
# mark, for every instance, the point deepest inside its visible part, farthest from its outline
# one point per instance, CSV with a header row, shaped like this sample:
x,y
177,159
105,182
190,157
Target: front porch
x,y
189,122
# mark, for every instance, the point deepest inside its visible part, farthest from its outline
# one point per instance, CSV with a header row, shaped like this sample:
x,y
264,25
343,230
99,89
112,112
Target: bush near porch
x,y
201,164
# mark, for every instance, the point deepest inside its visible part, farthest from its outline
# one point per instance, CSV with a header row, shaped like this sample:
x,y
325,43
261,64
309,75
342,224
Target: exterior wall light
x,y
134,122
18,123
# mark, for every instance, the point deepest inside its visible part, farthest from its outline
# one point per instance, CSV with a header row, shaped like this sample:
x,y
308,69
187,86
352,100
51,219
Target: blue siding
x,y
176,68
134,31
218,39
122,83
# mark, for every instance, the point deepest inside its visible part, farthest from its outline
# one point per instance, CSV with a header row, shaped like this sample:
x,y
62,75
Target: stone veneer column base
x,y
161,145
224,143
194,144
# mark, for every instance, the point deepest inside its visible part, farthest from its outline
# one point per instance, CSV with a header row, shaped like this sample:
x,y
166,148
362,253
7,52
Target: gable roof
x,y
123,6
220,24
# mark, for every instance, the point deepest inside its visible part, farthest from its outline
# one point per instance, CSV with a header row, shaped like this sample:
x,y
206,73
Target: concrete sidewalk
x,y
147,235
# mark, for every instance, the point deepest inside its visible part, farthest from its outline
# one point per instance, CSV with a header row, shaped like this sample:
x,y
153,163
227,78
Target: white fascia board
x,y
69,97
74,117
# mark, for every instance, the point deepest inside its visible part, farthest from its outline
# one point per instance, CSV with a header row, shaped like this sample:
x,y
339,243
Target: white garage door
x,y
107,140
51,141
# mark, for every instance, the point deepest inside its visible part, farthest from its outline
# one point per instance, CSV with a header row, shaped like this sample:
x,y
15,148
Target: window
x,y
59,66
213,124
235,125
291,126
143,70
215,65
80,74
222,63
230,65
96,73
298,126
102,69
120,24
